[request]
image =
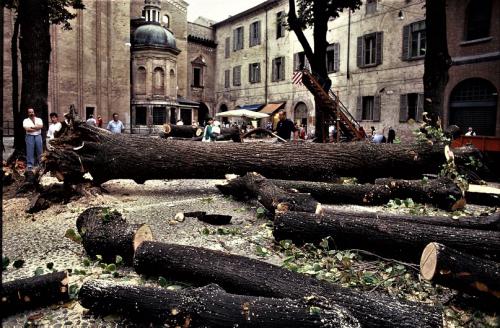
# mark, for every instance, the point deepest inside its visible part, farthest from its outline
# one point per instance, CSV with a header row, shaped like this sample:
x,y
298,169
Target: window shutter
x,y
406,42
420,107
359,54
249,72
296,61
336,57
379,43
359,109
403,108
282,68
238,73
257,37
376,109
242,37
258,73
235,40
273,78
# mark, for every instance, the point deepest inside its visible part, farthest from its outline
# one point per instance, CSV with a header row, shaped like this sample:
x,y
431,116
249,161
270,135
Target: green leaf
x,y
286,243
50,265
38,271
18,264
162,281
261,213
116,274
205,231
111,267
118,259
72,235
86,262
98,257
5,262
73,291
314,310
261,251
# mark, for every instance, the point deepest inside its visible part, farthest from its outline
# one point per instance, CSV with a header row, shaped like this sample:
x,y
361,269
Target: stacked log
x,y
398,238
209,306
107,233
448,267
242,275
195,133
37,291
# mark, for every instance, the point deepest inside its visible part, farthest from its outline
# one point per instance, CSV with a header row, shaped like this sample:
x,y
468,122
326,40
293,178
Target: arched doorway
x,y
300,114
473,102
223,108
202,113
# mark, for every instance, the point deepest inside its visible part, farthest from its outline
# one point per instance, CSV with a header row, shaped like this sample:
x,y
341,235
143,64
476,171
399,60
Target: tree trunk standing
x,y
23,294
35,50
397,238
89,149
437,61
243,275
209,306
17,114
448,267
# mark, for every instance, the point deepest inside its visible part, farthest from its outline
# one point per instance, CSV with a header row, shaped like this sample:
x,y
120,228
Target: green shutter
x,y
359,53
377,108
406,42
403,108
379,46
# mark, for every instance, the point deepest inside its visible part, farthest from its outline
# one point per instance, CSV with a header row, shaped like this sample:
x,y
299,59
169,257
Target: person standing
x,y
33,126
285,127
54,127
91,121
391,136
115,125
99,121
470,132
208,135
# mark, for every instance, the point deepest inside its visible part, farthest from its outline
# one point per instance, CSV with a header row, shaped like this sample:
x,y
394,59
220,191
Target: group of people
x,y
377,136
33,126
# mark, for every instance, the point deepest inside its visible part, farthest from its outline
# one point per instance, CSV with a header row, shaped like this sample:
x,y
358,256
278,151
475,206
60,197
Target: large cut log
x,y
107,233
109,156
208,306
194,132
37,291
242,275
451,268
442,192
390,237
272,197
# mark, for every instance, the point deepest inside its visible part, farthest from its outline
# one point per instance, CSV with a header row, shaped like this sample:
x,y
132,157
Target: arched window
x,y
166,21
158,81
473,102
478,16
140,86
300,113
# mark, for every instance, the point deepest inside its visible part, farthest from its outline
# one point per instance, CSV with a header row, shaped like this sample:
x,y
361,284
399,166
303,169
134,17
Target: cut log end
x,y
167,128
428,261
142,234
199,132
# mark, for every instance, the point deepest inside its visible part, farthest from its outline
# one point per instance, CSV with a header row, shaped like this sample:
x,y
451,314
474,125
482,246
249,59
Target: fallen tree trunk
x,y
37,291
102,154
208,306
196,133
272,197
262,131
242,275
107,234
448,267
391,237
442,192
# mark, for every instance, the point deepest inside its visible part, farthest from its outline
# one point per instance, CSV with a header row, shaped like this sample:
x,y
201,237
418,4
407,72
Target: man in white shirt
x,y
470,132
115,125
33,126
54,127
91,121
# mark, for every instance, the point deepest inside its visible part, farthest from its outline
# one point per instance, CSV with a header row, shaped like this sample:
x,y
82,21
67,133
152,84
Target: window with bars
x,y
411,107
141,115
414,41
368,108
237,75
227,50
227,78
280,28
255,34
278,72
238,38
159,115
254,73
369,50
332,58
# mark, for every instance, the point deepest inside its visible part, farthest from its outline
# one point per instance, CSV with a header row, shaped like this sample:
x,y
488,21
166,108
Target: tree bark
x,y
441,192
104,156
272,197
37,291
35,57
208,306
188,131
448,267
242,275
17,114
397,238
107,234
437,61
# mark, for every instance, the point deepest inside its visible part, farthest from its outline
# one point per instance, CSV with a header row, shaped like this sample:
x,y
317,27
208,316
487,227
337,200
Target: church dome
x,y
153,35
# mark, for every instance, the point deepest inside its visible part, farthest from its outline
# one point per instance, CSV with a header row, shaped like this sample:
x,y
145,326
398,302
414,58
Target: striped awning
x,y
271,108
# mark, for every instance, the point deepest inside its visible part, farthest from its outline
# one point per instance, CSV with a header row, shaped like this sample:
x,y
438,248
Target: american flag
x,y
297,77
